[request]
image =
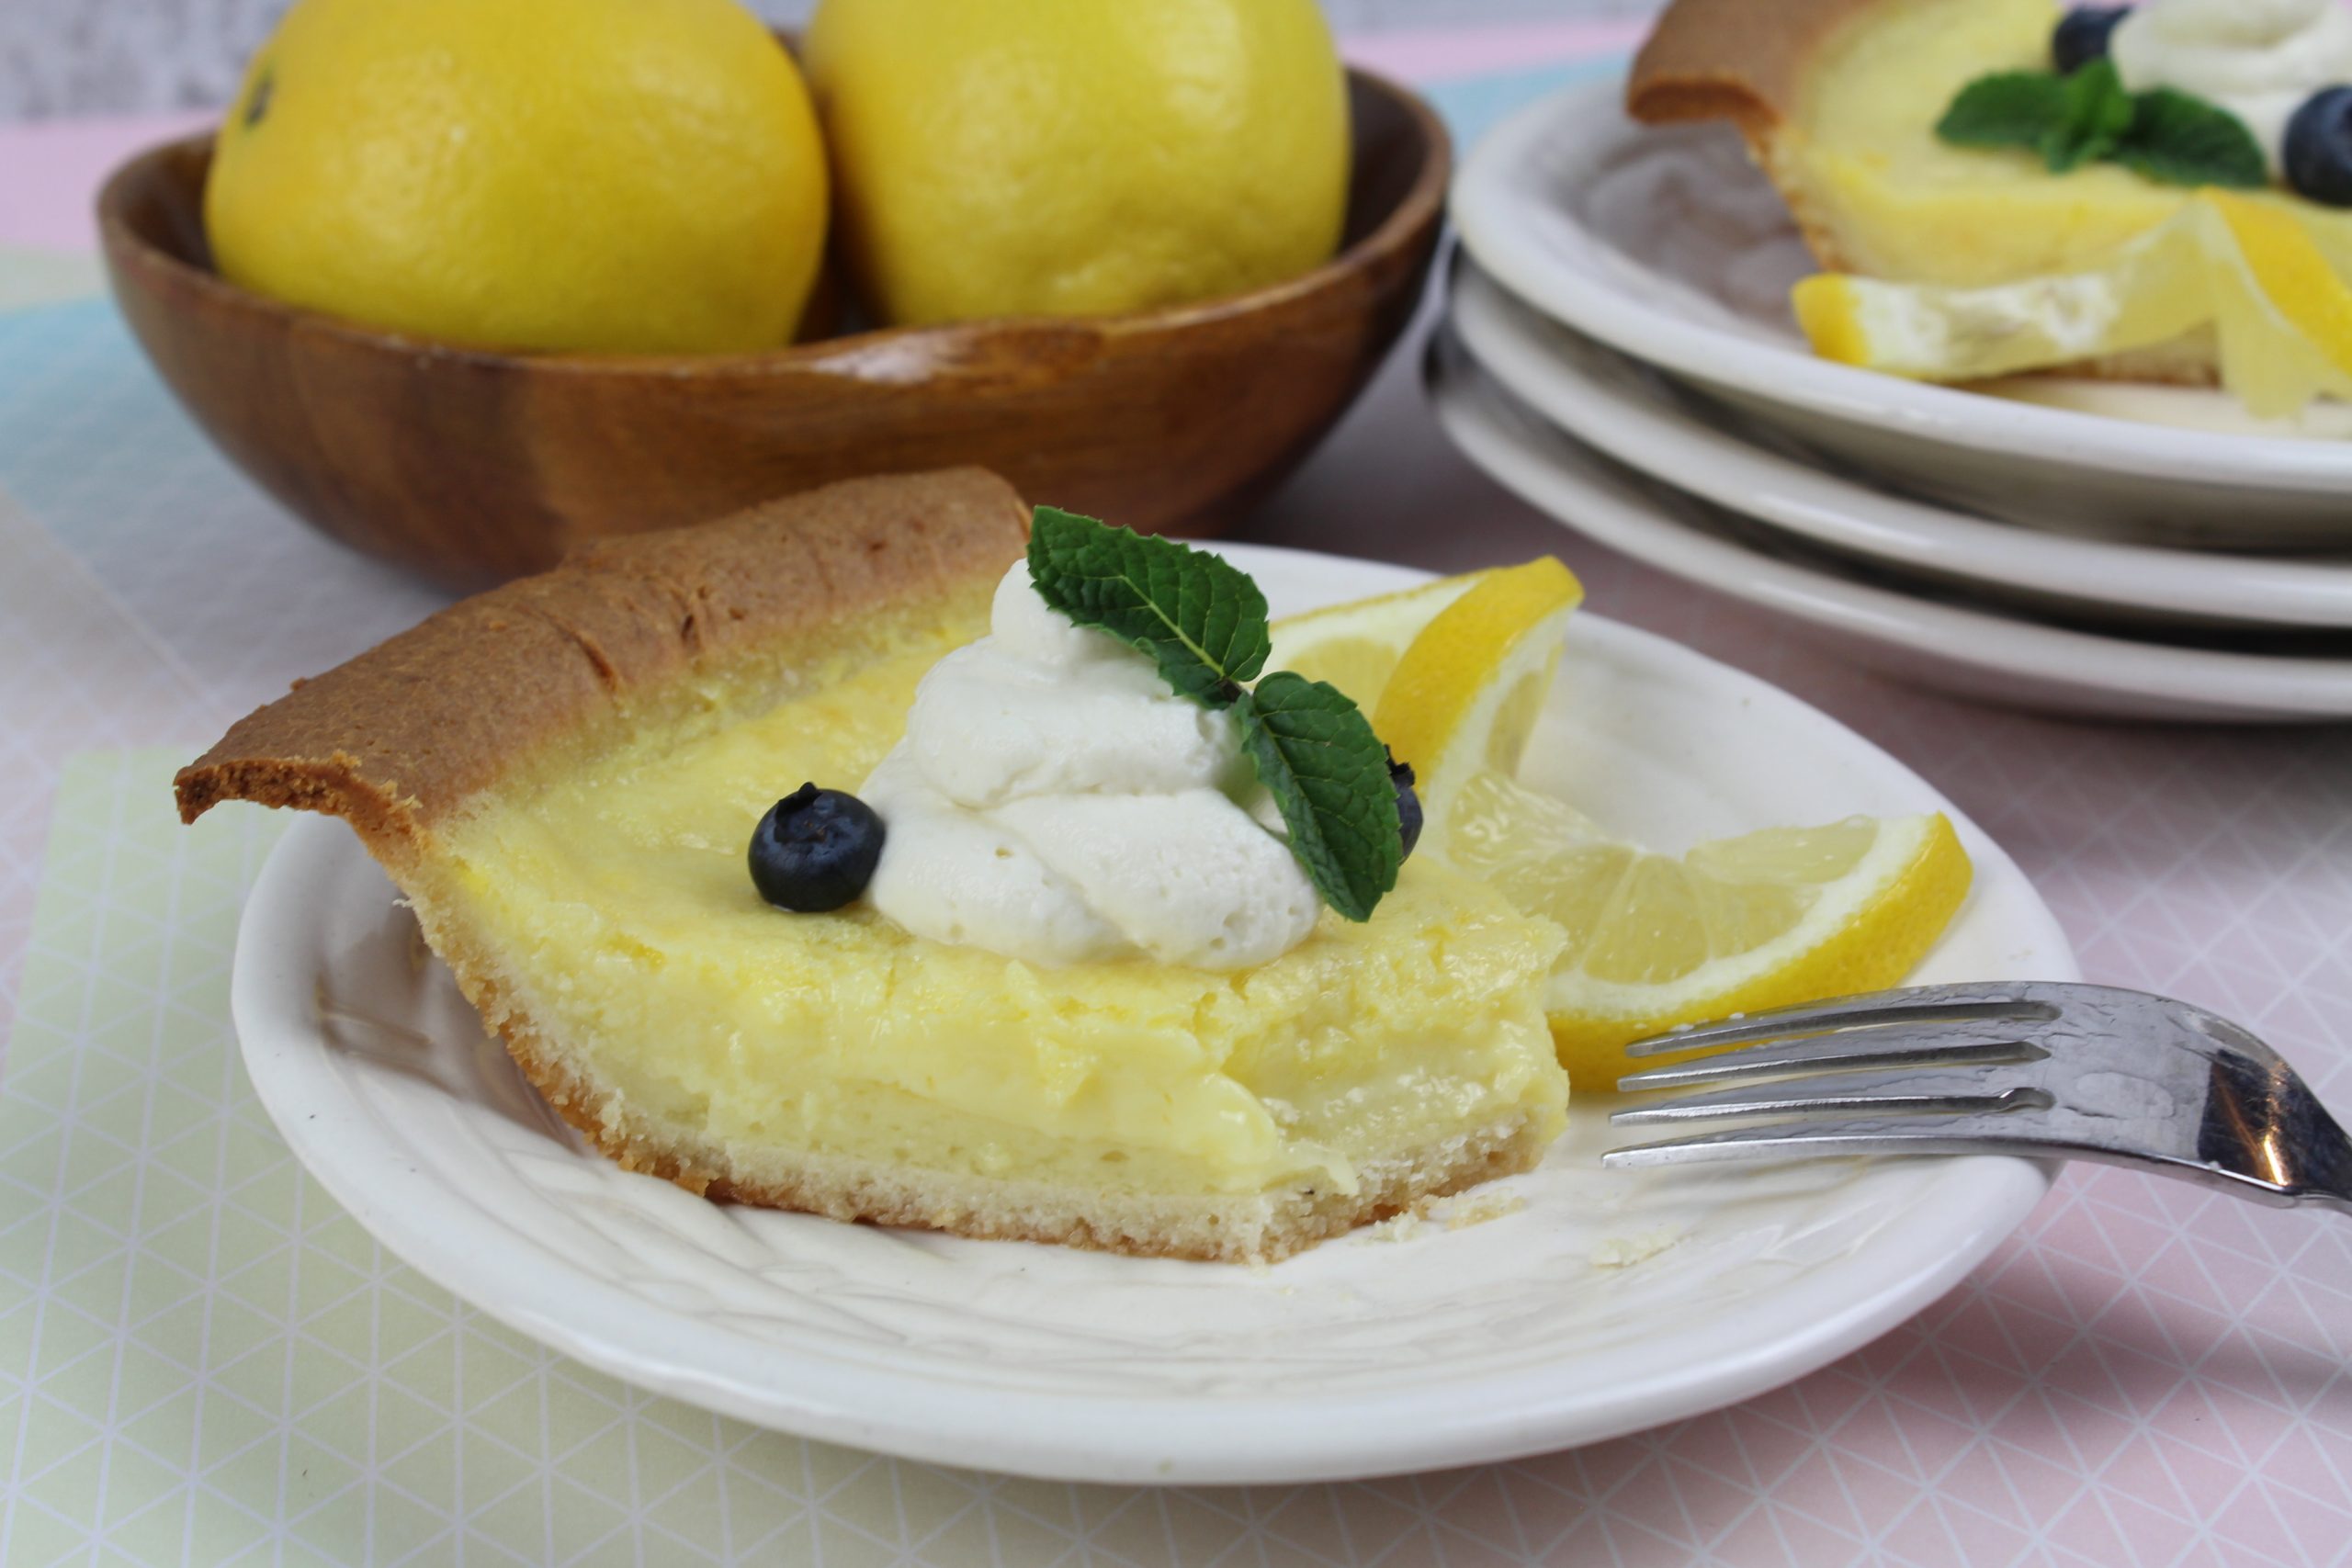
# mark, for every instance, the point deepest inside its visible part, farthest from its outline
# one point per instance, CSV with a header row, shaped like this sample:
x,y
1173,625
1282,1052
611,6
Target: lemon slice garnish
x,y
2242,268
2283,313
1355,645
1736,925
1465,694
1759,920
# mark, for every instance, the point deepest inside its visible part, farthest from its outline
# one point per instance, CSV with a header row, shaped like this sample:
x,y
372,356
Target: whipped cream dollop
x,y
1054,801
2259,59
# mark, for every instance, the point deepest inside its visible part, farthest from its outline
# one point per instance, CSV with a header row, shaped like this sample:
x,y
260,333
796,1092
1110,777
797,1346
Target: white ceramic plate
x,y
1367,1355
1640,418
1950,646
1668,244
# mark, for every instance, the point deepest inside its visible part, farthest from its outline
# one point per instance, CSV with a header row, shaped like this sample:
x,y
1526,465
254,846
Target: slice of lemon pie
x,y
1841,102
1089,997
1982,169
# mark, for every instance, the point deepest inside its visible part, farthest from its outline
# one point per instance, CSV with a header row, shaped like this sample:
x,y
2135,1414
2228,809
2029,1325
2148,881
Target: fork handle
x,y
1981,1134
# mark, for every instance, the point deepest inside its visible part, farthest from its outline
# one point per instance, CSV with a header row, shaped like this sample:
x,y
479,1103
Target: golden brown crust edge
x,y
401,736
1743,61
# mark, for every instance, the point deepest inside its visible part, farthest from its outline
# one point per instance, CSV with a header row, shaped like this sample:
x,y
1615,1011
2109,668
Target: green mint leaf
x,y
1314,750
2177,138
2164,134
1201,620
2008,108
1203,623
2096,114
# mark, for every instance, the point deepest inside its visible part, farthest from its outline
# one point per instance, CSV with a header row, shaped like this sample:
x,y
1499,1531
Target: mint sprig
x,y
2096,114
1314,750
1203,623
2168,136
2177,138
2007,108
1201,619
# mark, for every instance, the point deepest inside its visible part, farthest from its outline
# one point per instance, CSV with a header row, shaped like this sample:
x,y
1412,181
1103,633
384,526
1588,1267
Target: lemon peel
x,y
1465,694
1354,646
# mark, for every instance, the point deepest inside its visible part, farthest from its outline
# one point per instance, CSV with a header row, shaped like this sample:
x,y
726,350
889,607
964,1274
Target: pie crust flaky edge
x,y
401,735
1743,61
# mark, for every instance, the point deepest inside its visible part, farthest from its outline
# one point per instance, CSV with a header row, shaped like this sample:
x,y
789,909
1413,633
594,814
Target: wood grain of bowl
x,y
471,466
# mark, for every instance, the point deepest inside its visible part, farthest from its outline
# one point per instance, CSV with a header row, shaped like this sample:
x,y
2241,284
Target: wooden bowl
x,y
471,466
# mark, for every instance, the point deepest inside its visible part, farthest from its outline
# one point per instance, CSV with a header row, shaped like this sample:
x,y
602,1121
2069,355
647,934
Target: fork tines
x,y
1918,1069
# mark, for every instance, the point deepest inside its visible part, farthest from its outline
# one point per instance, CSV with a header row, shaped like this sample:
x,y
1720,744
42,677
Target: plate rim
x,y
1488,217
1500,330
2229,685
1488,1416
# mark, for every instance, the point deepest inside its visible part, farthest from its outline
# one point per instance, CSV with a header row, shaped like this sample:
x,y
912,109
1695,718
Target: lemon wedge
x,y
1758,921
1465,694
1355,645
1736,925
2282,312
2240,268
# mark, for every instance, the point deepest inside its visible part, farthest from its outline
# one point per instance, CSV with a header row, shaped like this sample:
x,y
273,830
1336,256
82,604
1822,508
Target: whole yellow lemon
x,y
628,175
1078,156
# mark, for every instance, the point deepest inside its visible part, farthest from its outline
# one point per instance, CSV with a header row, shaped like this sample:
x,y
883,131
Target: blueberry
x,y
2318,153
2082,36
815,850
1408,805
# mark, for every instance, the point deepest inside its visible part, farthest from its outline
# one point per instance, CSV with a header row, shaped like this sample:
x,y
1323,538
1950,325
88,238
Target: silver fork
x,y
2041,1070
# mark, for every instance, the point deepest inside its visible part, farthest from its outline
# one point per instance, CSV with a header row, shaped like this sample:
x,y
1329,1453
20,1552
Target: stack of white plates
x,y
1619,351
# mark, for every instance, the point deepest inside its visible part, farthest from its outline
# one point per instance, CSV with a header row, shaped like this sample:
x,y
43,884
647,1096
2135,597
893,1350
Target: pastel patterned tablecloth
x,y
203,1360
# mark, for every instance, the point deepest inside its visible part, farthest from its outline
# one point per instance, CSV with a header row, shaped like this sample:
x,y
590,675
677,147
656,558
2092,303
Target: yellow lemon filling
x,y
617,898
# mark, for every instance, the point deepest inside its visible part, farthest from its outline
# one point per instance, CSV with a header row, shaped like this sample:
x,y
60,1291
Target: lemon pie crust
x,y
561,775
